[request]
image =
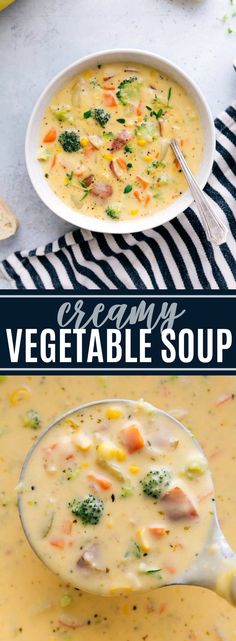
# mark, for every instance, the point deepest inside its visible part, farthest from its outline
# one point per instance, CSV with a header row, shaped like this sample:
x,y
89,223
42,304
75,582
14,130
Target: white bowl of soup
x,y
98,142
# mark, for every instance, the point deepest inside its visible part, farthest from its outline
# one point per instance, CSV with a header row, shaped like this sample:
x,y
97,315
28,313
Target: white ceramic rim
x,y
99,225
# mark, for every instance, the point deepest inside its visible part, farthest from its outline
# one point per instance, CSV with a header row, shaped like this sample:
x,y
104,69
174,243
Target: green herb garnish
x,y
128,149
169,95
127,189
121,120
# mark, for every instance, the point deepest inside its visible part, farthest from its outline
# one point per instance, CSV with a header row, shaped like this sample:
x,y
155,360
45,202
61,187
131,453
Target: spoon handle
x,y
216,230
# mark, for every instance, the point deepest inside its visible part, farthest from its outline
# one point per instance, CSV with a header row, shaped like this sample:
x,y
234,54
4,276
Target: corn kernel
x,y
121,589
107,451
72,423
58,149
120,455
142,540
140,118
110,524
107,156
134,212
84,464
83,442
84,141
142,142
19,394
114,412
134,469
148,158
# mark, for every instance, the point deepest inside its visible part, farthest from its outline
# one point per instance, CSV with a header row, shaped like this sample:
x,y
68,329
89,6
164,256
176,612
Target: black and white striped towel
x,y
176,255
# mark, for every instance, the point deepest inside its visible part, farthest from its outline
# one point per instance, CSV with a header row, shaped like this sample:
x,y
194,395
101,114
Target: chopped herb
x,y
70,176
129,165
156,572
156,164
127,189
157,114
108,134
133,550
88,114
86,193
169,95
128,149
121,120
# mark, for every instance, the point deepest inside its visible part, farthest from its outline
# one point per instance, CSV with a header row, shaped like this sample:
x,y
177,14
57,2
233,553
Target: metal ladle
x,y
215,566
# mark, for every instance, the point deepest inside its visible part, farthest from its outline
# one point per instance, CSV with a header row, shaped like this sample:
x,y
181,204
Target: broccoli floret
x,y
32,419
128,90
113,213
70,141
99,115
155,483
89,510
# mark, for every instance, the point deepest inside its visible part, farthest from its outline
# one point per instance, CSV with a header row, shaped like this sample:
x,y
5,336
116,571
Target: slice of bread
x,y
8,221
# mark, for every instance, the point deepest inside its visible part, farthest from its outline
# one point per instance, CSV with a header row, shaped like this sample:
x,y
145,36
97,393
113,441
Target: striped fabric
x,y
176,255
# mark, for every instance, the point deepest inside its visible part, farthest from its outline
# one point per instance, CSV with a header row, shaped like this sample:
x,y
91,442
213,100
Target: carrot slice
x,y
57,543
147,199
158,532
89,150
109,88
132,438
138,196
109,99
67,526
103,482
121,163
139,108
50,136
143,182
54,160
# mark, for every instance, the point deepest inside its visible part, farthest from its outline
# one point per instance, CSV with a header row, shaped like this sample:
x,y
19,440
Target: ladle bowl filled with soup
x,y
98,142
122,498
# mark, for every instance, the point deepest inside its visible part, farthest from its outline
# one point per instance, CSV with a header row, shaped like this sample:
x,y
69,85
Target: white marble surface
x,y
39,37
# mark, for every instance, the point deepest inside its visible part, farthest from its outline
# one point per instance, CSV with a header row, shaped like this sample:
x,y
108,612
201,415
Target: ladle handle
x,y
215,229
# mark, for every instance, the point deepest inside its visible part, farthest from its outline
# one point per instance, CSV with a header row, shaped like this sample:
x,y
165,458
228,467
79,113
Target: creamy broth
x,y
104,141
117,498
34,603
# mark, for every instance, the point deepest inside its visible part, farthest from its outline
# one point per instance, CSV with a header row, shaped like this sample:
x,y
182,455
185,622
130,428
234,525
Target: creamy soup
x,y
34,602
105,141
117,498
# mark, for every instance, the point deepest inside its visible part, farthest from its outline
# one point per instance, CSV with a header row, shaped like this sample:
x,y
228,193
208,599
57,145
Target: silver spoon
x,y
215,229
214,567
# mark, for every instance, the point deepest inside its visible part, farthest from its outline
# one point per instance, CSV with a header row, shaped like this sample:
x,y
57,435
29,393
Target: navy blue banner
x,y
118,333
